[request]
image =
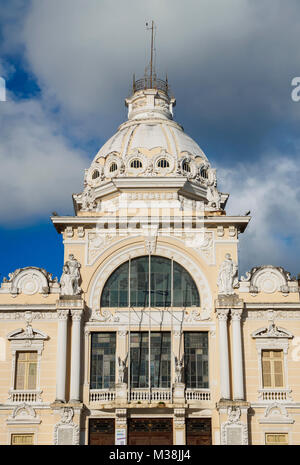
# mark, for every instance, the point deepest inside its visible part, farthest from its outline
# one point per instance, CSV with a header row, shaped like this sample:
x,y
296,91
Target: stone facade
x,y
150,191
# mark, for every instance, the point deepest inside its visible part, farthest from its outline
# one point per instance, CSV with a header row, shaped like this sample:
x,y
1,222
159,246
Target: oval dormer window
x,y
95,174
186,167
163,163
203,173
113,167
136,164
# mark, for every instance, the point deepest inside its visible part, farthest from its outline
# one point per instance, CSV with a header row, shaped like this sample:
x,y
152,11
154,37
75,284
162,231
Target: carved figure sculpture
x,y
227,277
70,278
178,369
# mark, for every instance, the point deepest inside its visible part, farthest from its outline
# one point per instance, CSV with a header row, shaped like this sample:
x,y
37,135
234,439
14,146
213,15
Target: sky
x,y
68,67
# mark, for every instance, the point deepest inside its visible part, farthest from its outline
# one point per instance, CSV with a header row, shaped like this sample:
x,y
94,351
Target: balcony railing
x,y
272,395
150,83
155,395
27,396
102,395
197,395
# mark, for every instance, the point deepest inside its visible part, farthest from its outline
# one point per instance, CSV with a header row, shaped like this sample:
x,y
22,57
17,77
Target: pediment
x,y
27,333
272,331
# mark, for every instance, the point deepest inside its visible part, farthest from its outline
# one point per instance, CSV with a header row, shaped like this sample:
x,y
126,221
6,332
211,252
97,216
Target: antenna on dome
x,y
151,28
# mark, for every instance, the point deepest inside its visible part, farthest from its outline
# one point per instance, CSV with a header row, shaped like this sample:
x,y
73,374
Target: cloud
x,y
229,63
39,168
270,189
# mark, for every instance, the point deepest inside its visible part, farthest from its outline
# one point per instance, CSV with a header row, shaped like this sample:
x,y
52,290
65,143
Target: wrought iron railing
x,y
150,83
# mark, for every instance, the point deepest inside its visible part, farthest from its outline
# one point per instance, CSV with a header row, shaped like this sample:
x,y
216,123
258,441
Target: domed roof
x,y
150,134
149,144
150,128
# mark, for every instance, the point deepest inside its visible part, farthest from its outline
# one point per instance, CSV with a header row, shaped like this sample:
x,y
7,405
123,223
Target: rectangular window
x,y
272,368
160,359
26,370
196,359
277,439
103,360
22,439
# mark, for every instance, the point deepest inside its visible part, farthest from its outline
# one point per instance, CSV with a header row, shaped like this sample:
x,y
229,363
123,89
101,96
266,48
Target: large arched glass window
x,y
170,284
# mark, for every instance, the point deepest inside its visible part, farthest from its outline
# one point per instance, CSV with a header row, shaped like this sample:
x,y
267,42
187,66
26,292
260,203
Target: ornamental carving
x,y
65,431
272,332
276,414
233,431
104,316
29,281
23,414
268,279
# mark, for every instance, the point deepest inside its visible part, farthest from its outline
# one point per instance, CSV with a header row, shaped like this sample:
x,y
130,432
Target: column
x,y
237,354
75,356
224,355
61,359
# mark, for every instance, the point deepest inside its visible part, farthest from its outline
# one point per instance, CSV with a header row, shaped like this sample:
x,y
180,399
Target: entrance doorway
x,y
198,432
102,432
150,432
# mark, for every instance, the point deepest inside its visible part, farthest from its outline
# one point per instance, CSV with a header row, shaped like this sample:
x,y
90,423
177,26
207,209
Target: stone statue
x,y
178,369
227,278
121,367
70,278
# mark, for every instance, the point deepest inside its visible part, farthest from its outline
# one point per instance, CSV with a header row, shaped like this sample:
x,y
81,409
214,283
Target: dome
x,y
149,144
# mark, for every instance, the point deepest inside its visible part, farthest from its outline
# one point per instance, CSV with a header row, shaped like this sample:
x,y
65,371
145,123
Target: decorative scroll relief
x,y
15,316
30,281
66,433
98,242
233,431
276,314
276,414
268,279
272,332
202,243
23,414
134,251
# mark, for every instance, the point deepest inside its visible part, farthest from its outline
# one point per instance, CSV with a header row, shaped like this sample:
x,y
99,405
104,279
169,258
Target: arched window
x,y
113,167
170,284
186,167
95,174
163,163
136,164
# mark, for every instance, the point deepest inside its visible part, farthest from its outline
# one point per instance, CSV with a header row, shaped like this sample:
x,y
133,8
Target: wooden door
x,y
150,432
198,432
102,432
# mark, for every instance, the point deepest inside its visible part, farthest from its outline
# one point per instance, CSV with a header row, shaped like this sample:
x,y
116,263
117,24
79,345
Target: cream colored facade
x,y
151,191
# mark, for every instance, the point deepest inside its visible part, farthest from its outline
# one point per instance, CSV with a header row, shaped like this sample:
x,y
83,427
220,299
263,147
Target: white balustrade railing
x,y
139,395
102,395
161,395
157,395
278,395
27,396
197,394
